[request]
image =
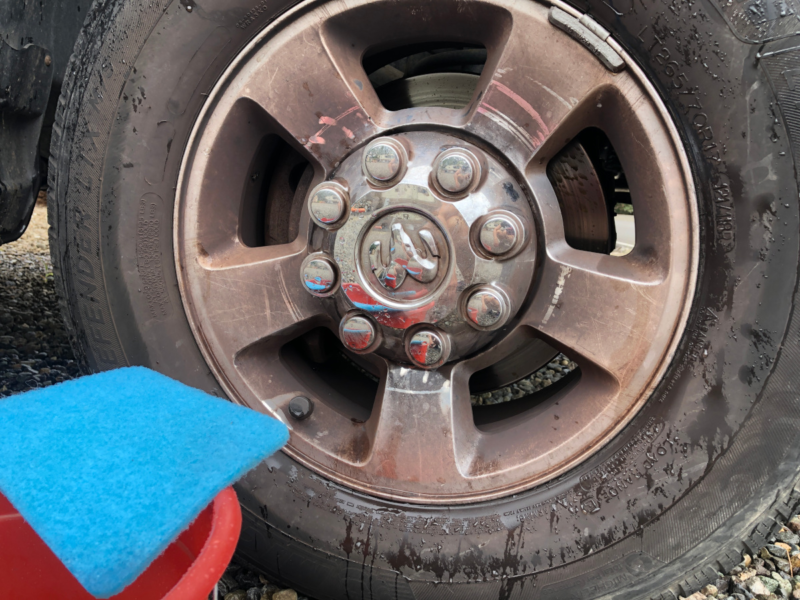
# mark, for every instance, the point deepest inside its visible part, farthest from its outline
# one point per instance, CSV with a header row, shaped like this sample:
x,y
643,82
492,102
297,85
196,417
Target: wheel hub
x,y
423,248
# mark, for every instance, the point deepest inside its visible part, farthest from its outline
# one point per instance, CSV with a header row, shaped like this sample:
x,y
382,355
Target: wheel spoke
x,y
421,422
599,308
297,82
528,97
255,293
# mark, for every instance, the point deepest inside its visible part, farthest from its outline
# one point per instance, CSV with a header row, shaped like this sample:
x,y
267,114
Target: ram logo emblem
x,y
405,258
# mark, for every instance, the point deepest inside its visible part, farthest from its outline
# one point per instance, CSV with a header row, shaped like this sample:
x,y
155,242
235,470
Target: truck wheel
x,y
518,277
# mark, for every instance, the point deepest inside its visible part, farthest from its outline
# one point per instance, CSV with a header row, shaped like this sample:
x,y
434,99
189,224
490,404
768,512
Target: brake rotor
x,y
588,220
442,90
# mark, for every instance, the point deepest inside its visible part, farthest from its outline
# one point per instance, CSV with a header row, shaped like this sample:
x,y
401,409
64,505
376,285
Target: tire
x,y
697,477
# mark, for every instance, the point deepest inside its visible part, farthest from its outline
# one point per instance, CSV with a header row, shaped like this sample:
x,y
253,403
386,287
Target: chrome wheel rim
x,y
619,317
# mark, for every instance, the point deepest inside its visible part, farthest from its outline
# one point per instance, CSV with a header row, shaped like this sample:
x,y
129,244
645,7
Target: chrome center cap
x,y
411,251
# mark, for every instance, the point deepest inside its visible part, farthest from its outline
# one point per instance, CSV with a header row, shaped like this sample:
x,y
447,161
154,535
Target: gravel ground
x,y
240,583
766,576
559,367
34,349
35,352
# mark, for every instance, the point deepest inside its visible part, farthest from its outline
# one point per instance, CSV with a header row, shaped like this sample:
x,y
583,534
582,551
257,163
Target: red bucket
x,y
187,570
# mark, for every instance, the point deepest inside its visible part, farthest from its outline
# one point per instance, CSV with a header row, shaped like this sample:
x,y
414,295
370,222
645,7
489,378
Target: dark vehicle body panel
x,y
36,41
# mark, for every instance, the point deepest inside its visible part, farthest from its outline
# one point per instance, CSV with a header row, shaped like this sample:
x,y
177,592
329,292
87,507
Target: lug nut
x,y
358,333
328,204
486,308
384,159
319,275
427,348
499,235
455,171
301,407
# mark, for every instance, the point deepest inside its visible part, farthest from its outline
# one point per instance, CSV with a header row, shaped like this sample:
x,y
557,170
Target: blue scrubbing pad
x,y
110,468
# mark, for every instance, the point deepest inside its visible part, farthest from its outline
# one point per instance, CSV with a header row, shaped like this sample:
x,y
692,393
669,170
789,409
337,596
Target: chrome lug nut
x,y
328,204
319,275
384,160
427,348
358,333
499,235
486,308
455,171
